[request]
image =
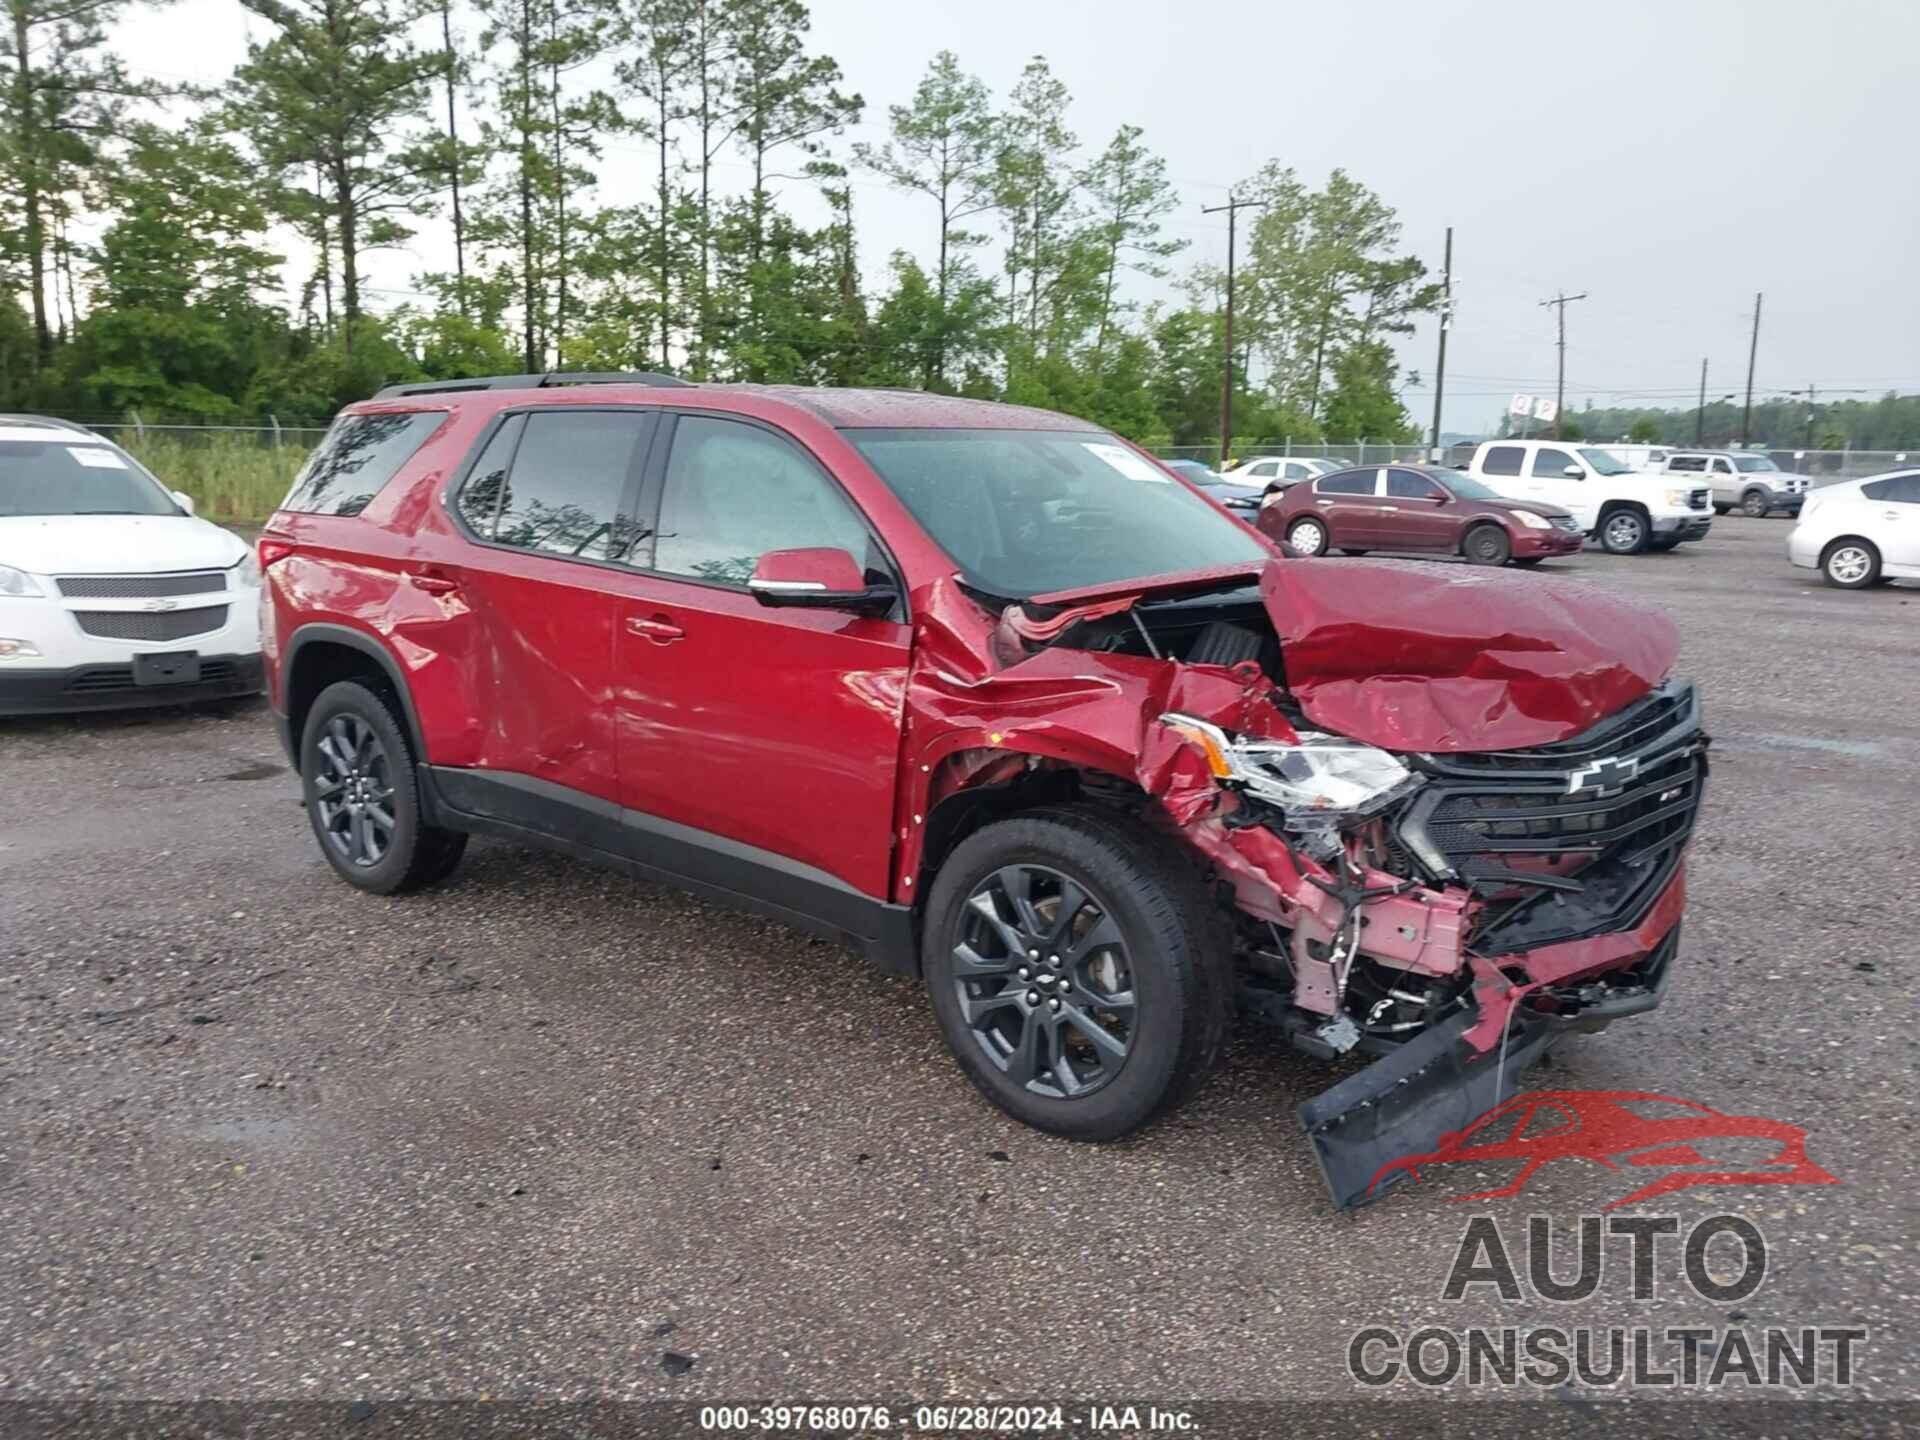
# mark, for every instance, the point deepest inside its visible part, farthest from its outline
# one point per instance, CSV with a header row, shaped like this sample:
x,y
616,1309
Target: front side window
x,y
1027,512
1503,460
1721,467
1411,485
555,481
57,476
1549,464
359,455
734,491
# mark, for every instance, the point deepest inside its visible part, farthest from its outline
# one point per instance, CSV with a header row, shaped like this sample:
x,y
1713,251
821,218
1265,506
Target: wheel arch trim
x,y
322,632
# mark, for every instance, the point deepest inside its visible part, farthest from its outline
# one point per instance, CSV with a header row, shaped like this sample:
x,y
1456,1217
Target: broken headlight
x,y
1320,774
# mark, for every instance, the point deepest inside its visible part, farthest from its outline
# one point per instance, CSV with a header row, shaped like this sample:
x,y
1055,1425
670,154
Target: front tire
x,y
1851,563
1623,532
362,796
1755,505
1308,537
1078,969
1487,545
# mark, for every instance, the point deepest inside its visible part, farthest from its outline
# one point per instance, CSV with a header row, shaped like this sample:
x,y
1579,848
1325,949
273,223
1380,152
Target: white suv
x,y
111,592
1625,509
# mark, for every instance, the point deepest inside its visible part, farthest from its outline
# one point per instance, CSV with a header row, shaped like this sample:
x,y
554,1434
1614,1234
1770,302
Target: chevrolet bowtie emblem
x,y
1602,775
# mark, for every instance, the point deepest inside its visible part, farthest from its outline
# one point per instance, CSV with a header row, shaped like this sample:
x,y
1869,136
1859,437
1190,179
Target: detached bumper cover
x,y
1439,1082
112,687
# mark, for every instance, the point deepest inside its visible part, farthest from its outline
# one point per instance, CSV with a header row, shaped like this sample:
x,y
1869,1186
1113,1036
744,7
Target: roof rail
x,y
50,422
549,379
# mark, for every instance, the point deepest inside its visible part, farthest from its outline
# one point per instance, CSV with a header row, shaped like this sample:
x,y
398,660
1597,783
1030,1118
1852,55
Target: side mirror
x,y
822,578
183,500
1574,472
1439,497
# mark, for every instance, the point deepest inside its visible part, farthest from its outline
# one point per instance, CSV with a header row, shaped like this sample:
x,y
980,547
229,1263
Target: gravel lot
x,y
549,1131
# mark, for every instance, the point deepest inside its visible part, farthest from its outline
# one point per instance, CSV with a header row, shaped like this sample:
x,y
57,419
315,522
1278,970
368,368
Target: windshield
x,y
1468,488
1747,464
1604,464
1026,512
63,477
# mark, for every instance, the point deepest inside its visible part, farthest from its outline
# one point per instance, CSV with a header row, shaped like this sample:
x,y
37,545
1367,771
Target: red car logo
x,y
1616,1128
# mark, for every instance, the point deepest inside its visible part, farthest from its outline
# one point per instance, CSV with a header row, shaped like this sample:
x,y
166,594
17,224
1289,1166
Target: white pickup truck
x,y
1626,510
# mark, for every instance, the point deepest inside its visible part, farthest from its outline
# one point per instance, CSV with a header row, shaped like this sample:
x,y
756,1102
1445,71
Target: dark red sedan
x,y
1418,508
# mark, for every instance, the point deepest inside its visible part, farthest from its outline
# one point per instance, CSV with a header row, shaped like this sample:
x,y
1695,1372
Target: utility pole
x,y
1753,349
1446,323
1560,302
1700,415
1233,208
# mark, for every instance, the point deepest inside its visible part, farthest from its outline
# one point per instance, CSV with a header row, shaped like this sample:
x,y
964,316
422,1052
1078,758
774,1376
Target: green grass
x,y
230,478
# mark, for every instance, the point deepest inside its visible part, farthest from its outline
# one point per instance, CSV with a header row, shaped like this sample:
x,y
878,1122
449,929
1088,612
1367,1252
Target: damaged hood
x,y
1410,656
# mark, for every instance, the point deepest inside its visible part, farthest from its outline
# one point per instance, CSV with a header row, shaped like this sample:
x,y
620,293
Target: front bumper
x,y
1529,543
1690,526
113,687
1440,1081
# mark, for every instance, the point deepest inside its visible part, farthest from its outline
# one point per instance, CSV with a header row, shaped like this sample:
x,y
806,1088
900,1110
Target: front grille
x,y
151,625
1699,499
140,587
1498,817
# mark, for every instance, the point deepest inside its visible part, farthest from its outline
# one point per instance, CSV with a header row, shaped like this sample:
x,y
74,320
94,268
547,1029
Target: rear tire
x,y
1487,545
1851,563
1624,531
1139,930
363,798
1755,505
1308,537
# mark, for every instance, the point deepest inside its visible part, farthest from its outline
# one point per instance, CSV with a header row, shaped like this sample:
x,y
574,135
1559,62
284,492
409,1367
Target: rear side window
x,y
359,455
1265,470
1689,463
1348,482
1903,489
558,481
1503,460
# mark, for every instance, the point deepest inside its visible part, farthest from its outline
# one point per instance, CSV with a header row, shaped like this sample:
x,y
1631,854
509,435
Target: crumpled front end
x,y
1402,892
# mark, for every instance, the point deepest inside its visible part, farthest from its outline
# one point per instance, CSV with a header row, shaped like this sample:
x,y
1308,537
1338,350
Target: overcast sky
x,y
1670,159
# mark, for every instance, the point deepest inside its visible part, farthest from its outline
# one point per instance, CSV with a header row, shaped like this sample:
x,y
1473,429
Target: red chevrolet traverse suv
x,y
989,695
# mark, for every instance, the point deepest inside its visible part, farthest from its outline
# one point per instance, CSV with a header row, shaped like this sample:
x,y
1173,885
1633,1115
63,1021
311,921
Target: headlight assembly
x,y
1531,520
16,582
1320,774
1679,499
246,571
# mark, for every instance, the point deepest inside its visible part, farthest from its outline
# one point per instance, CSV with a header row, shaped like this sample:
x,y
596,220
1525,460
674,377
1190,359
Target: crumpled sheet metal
x,y
1443,658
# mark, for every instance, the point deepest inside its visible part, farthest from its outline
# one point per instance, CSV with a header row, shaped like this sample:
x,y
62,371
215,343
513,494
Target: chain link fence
x,y
1360,453
1825,466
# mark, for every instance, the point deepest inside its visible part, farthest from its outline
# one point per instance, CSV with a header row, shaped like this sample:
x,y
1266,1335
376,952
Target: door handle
x,y
431,583
1390,507
660,630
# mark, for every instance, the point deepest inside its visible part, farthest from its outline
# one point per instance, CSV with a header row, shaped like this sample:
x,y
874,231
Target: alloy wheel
x,y
353,791
1624,532
1849,564
1755,505
1044,981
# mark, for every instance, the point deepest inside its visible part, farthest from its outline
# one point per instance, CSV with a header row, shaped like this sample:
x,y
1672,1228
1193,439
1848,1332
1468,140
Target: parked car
x,y
112,594
1626,510
1237,498
1424,509
1861,532
984,693
1742,479
1271,473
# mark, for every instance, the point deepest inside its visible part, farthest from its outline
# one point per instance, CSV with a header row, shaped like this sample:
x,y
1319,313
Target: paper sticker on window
x,y
1127,463
96,457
